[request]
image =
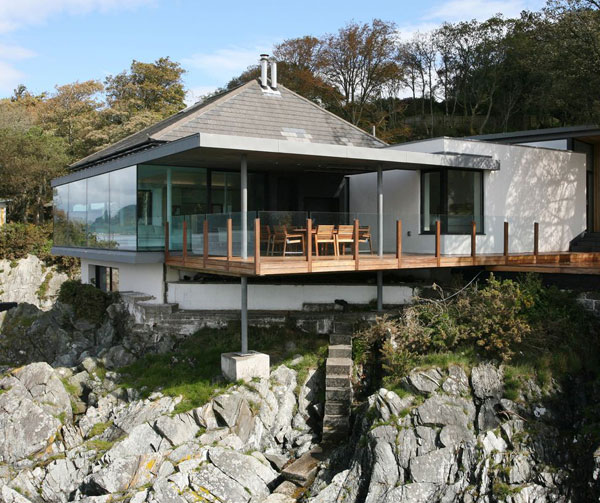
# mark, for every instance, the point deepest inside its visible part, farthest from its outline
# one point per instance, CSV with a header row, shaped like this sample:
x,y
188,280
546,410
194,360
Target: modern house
x,y
260,182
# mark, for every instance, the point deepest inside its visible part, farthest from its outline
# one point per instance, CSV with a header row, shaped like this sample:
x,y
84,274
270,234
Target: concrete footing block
x,y
245,367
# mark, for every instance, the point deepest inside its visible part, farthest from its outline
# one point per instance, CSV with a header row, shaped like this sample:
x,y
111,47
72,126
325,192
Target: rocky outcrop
x,y
30,280
454,438
72,434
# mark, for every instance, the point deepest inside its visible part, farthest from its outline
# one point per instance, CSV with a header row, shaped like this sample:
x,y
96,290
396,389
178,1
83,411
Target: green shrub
x,y
88,301
541,329
17,240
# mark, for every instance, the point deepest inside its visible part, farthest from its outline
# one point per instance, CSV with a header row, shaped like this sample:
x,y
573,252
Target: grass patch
x,y
99,428
71,389
193,369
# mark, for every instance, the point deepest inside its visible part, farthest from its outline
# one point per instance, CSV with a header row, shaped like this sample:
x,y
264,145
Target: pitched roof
x,y
246,111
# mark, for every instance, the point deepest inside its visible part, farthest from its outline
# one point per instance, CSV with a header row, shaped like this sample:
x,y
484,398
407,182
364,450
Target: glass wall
x,y
127,209
455,198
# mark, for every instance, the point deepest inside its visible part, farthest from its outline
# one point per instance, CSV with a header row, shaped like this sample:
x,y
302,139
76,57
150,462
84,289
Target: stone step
x,y
340,351
336,421
337,339
338,366
337,408
338,394
303,470
337,382
343,327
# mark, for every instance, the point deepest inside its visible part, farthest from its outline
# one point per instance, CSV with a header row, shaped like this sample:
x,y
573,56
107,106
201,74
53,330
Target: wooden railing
x,y
355,244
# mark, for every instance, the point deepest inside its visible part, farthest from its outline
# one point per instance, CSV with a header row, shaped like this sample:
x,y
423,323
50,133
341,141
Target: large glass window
x,y
123,190
455,198
61,211
77,213
98,208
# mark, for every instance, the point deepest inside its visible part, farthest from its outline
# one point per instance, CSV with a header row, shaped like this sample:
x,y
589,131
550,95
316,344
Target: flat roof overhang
x,y
203,150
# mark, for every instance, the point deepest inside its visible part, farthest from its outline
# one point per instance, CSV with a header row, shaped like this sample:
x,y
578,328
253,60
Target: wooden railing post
x,y
473,239
229,241
257,246
399,242
506,242
536,239
205,241
166,241
184,242
355,244
438,239
309,240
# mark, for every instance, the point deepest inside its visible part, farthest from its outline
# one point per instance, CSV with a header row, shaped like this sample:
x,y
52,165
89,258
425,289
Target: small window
x,y
106,278
455,198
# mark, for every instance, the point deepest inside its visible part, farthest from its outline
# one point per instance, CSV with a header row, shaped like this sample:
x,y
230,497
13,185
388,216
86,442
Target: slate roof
x,y
246,111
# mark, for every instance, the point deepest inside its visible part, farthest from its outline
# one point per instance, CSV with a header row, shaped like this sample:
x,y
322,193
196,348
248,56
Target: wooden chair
x,y
345,237
266,237
325,235
285,238
364,236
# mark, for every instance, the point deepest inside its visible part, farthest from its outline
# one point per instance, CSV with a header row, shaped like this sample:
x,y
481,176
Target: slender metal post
x,y
244,317
506,245
379,290
438,242
379,211
536,238
399,242
244,204
473,239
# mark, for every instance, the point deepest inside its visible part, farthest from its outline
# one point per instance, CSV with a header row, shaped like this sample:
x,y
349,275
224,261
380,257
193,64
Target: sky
x,y
44,43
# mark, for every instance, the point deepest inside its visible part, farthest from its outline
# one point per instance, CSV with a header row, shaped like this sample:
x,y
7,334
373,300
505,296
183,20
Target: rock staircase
x,y
338,386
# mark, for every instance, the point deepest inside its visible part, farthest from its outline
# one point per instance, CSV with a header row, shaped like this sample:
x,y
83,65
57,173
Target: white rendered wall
x,y
143,278
206,296
532,185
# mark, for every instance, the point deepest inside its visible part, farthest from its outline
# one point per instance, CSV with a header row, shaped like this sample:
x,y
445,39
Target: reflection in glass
x,y
98,212
77,213
123,208
61,209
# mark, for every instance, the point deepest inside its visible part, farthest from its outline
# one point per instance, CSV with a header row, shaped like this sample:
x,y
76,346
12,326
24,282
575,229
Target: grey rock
x,y
424,381
384,473
247,470
143,439
210,481
457,382
244,425
453,434
115,477
60,480
11,496
205,417
164,492
177,429
437,467
440,410
140,412
276,460
487,381
227,408
117,357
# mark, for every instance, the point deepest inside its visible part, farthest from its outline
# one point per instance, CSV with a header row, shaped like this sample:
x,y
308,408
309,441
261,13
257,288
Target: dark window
x,y
455,198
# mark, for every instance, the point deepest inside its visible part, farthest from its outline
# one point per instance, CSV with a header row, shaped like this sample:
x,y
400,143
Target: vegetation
x,y
17,240
191,370
88,302
534,330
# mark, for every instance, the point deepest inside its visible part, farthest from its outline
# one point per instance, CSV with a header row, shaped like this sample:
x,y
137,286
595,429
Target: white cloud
x,y
223,64
461,10
195,93
10,77
15,14
15,52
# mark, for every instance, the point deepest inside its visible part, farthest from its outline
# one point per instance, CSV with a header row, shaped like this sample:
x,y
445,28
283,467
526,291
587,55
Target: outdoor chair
x,y
266,237
345,237
364,236
325,235
284,238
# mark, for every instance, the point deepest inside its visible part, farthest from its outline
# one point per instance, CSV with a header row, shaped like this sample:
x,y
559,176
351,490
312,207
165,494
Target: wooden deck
x,y
563,262
260,265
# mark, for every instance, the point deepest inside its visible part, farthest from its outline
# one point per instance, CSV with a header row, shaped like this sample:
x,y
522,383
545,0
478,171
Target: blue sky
x,y
49,42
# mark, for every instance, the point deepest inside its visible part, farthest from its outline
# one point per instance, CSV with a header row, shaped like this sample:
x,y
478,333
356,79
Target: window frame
x,y
444,202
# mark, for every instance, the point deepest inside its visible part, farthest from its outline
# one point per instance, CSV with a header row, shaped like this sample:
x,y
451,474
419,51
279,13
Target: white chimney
x,y
274,74
264,61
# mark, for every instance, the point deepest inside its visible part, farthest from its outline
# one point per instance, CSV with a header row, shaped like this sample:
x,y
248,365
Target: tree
x,y
29,160
72,113
358,60
155,87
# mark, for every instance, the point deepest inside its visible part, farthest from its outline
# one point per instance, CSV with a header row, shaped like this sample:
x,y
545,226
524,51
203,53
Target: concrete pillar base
x,y
245,367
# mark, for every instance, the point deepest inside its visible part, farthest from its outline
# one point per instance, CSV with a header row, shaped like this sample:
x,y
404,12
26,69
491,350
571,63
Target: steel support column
x,y
379,236
244,249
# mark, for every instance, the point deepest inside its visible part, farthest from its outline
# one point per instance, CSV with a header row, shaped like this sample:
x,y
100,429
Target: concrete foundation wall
x,y
532,185
146,278
204,296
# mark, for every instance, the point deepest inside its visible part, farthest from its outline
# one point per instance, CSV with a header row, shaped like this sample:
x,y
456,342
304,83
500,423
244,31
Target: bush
x,y
17,240
88,302
509,321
